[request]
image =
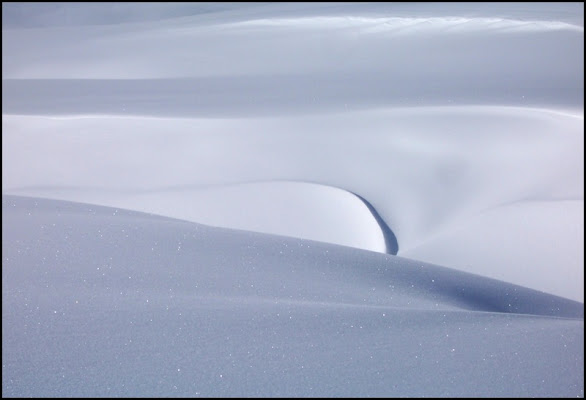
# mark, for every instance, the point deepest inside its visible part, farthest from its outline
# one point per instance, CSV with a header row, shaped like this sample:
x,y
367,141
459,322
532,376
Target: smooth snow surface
x,y
103,302
258,138
297,209
425,170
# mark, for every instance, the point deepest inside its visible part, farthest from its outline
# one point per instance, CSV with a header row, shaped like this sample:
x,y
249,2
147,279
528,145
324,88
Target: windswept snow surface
x,y
105,302
431,173
296,209
451,133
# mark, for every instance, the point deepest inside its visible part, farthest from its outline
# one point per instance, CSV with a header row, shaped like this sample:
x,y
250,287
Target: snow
x,y
298,209
425,170
283,153
105,302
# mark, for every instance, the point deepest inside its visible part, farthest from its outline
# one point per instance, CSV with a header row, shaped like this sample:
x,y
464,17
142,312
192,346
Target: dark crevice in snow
x,y
391,244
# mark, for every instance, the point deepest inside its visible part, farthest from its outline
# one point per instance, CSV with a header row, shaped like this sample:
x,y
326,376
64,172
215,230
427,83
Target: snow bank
x,y
105,302
425,170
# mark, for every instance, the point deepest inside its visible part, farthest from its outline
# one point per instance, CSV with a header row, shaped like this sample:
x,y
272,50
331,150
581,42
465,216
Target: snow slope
x,y
447,133
105,302
298,209
429,172
434,115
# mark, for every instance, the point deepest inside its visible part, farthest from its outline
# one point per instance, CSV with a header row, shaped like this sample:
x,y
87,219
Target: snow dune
x,y
431,173
298,209
282,153
99,301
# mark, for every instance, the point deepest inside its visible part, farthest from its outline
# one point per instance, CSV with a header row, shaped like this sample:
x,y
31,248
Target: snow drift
x,y
448,133
431,173
99,301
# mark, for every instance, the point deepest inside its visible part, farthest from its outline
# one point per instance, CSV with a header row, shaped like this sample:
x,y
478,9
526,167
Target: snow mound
x,y
104,302
298,209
